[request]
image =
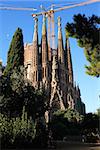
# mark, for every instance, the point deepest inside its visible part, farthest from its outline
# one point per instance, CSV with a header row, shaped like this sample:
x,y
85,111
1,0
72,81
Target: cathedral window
x,y
69,98
48,71
43,72
34,61
36,76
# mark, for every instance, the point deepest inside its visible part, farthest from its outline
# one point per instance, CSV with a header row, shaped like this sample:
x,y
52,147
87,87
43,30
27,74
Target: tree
x,y
86,31
17,132
17,92
15,57
90,127
67,121
71,114
11,97
98,112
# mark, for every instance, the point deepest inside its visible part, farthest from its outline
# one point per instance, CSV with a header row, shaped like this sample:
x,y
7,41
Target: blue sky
x,y
10,20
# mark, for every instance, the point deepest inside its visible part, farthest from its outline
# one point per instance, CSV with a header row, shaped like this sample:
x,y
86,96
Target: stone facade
x,y
52,71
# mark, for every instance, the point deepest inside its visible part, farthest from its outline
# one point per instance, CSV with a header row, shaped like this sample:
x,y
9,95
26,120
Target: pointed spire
x,y
35,35
78,90
44,42
60,42
59,29
35,44
45,66
49,38
44,25
35,54
69,61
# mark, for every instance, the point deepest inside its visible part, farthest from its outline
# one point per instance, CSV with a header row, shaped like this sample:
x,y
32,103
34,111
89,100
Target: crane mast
x,y
50,14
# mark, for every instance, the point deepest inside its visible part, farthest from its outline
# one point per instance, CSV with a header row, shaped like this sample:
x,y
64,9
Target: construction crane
x,y
17,8
50,15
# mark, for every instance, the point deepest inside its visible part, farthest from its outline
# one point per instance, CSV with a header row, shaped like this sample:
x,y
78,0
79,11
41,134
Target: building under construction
x,y
52,70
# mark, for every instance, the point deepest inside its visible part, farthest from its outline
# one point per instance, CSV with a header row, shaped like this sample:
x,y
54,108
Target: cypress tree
x,y
15,57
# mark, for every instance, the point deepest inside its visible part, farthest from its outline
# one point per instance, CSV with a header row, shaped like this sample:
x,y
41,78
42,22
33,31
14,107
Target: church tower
x,y
45,63
69,62
35,55
61,61
52,71
69,75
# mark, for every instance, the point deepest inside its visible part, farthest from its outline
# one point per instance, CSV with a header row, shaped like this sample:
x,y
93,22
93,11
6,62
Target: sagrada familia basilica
x,y
52,70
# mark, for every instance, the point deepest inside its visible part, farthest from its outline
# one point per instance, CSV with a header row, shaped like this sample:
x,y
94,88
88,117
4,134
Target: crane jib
x,y
67,7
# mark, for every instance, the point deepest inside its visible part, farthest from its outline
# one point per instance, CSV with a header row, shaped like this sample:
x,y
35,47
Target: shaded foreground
x,y
77,146
69,146
80,148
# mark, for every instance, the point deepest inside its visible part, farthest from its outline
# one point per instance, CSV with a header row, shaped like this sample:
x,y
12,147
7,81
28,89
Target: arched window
x,y
43,72
36,76
34,61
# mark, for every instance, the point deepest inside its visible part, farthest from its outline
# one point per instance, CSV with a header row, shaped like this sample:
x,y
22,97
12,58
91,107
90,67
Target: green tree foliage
x,y
91,127
11,100
86,31
67,122
17,132
17,92
71,114
16,52
90,123
98,112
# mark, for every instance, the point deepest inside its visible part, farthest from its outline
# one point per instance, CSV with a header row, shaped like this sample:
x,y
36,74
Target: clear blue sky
x,y
10,20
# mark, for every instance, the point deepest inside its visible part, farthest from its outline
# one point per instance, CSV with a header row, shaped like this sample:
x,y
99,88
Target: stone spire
x,y
69,61
61,61
45,65
44,32
60,42
44,42
35,54
35,35
49,38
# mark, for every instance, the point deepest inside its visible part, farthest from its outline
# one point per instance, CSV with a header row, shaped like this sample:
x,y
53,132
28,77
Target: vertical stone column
x,y
61,61
35,55
45,62
69,62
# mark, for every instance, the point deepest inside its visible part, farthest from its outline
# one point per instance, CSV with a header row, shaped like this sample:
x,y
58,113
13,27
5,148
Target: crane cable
x,y
17,8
